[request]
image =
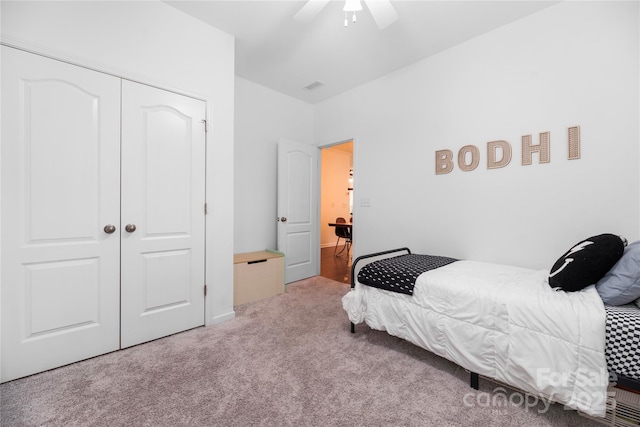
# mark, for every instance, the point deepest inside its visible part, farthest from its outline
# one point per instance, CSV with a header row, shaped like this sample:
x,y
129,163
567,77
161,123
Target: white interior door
x,y
60,188
298,228
163,196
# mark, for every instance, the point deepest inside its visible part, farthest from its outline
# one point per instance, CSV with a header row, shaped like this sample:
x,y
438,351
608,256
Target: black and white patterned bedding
x,y
399,273
622,349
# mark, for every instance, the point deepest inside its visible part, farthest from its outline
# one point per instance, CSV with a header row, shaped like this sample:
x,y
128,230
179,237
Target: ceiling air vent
x,y
314,85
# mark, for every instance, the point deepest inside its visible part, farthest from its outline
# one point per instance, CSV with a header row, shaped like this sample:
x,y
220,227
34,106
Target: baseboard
x,y
221,318
328,245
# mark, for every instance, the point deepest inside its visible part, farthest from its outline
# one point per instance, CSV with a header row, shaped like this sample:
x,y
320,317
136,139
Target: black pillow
x,y
586,263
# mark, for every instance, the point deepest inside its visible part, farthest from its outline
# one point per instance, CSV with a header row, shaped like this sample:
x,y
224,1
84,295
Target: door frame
x,y
85,64
210,303
355,205
316,229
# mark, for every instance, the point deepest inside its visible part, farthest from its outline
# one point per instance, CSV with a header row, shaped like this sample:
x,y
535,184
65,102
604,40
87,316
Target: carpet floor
x,y
288,360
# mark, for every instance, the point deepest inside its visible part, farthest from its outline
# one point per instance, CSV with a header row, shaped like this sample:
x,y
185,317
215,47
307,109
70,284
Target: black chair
x,y
343,232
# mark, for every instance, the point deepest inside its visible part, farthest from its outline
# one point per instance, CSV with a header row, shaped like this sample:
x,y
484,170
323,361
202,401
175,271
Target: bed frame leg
x,y
475,380
353,328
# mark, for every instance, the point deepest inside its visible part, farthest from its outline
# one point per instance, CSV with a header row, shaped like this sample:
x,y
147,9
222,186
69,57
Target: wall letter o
x,y
462,158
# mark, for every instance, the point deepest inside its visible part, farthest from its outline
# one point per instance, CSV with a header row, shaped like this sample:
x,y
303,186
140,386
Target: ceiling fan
x,y
382,11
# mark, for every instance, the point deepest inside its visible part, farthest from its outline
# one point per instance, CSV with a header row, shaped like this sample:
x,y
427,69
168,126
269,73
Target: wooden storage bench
x,y
257,275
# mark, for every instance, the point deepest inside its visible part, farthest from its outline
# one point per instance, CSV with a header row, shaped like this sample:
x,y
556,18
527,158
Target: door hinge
x,y
205,290
206,209
206,127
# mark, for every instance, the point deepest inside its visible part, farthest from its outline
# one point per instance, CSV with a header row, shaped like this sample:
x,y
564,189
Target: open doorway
x,y
336,201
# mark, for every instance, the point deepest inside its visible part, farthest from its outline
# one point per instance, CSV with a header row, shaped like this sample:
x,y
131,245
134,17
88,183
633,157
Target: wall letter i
x,y
574,142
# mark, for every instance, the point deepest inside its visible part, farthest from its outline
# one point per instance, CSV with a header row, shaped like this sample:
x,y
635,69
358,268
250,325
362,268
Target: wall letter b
x,y
444,164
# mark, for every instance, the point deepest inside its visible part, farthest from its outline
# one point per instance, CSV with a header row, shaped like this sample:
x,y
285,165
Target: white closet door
x,y
60,188
163,196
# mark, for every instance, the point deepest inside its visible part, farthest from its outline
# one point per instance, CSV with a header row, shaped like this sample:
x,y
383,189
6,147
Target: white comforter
x,y
501,322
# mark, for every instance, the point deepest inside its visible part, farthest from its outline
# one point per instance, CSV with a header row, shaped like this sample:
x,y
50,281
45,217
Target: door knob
x,y
109,228
283,219
130,228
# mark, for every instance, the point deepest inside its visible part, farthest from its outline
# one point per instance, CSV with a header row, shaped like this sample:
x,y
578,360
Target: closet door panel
x,y
163,194
60,187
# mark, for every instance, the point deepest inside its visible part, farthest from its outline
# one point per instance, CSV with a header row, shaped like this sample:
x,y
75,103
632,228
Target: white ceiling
x,y
276,51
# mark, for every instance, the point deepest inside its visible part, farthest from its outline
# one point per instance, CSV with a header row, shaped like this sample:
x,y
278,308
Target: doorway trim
x,y
210,273
355,205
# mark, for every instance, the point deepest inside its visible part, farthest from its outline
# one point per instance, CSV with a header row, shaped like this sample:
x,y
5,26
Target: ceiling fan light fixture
x,y
352,6
382,11
346,19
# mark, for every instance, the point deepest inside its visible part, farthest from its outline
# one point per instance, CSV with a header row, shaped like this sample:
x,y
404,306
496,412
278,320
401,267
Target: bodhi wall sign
x,y
499,153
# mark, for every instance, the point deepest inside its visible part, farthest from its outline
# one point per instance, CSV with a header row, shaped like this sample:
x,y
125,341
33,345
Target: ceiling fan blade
x,y
382,11
310,10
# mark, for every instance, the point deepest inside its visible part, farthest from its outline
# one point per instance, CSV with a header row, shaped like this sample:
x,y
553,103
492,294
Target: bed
x,y
503,323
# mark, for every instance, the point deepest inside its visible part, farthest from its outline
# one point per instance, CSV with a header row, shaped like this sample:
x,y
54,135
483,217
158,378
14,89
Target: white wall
x,y
153,43
262,117
575,63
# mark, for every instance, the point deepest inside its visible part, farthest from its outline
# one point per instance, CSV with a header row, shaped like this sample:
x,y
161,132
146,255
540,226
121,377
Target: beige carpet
x,y
284,361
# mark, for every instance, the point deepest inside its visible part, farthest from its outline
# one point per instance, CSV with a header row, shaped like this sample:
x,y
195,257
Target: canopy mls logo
x,y
499,153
